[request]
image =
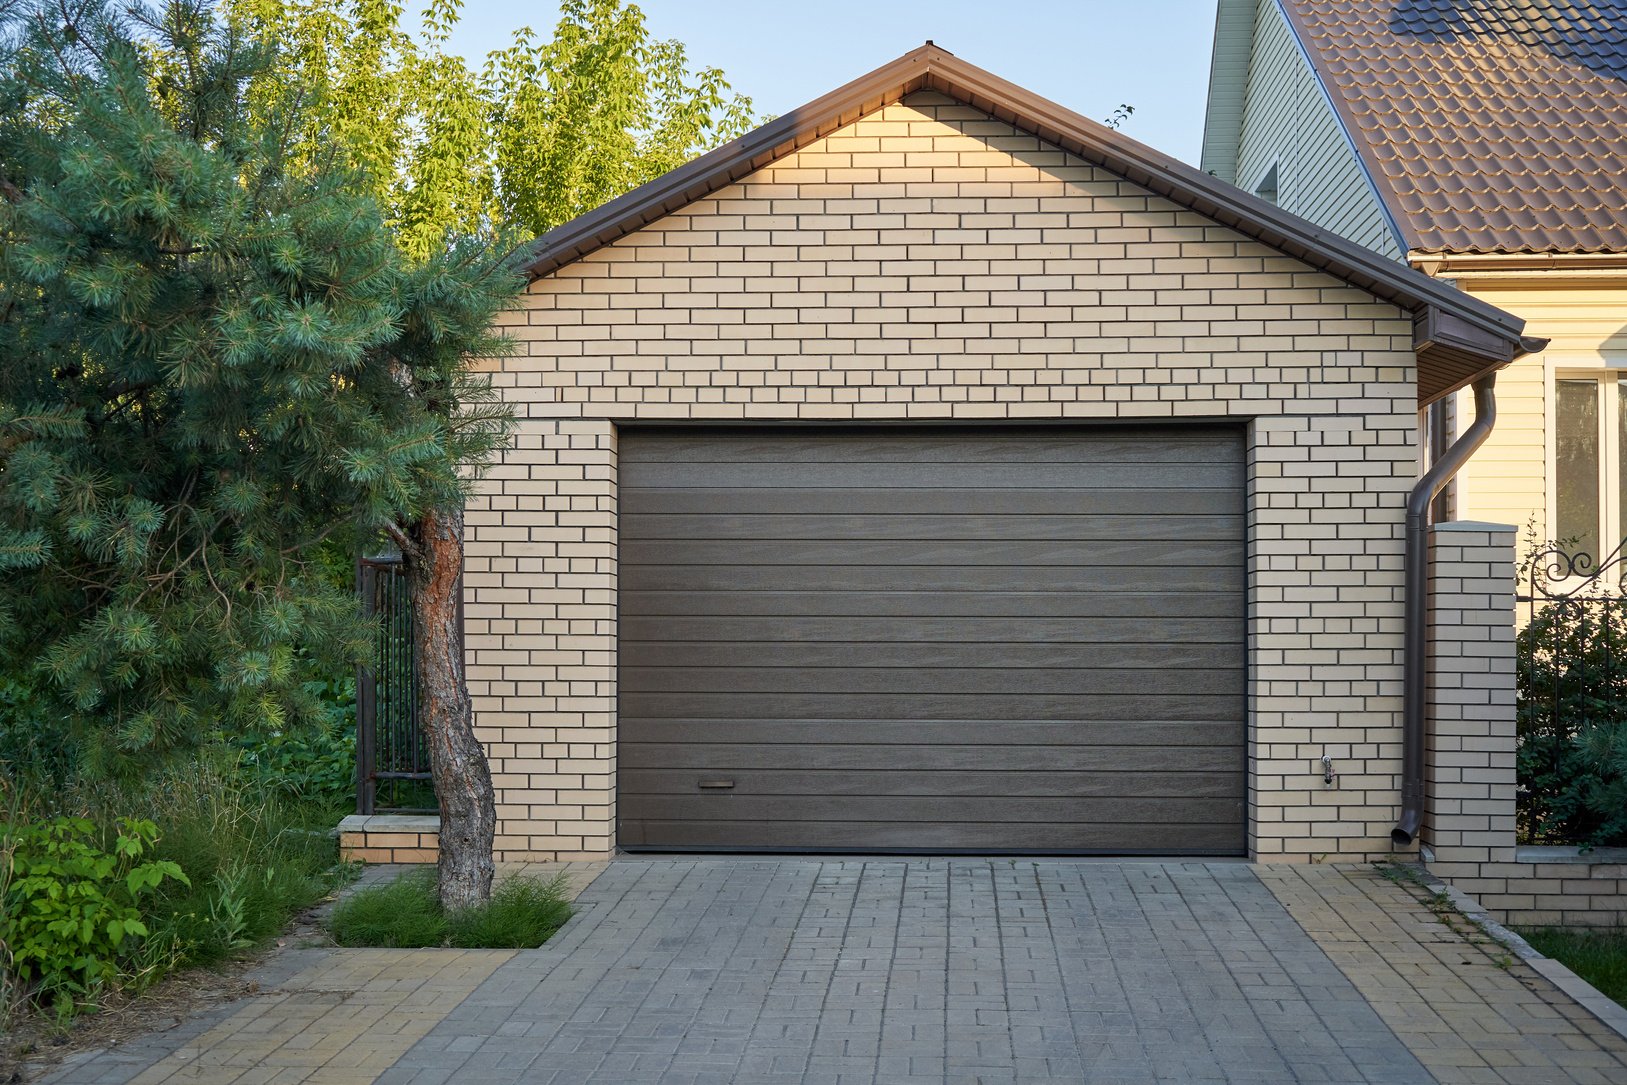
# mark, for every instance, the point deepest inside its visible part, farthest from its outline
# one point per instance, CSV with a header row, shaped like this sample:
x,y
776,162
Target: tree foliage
x,y
215,357
541,132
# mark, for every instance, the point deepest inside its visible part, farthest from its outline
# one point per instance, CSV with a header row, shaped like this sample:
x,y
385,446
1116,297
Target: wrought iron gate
x,y
389,745
1571,673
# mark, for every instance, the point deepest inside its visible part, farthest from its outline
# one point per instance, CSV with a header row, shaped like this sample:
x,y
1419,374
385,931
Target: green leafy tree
x,y
543,131
216,356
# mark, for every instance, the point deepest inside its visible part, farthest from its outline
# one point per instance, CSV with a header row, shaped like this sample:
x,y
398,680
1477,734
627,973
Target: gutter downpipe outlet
x,y
1415,641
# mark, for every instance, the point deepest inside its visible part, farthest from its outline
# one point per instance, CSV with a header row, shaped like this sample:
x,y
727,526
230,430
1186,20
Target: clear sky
x,y
1089,55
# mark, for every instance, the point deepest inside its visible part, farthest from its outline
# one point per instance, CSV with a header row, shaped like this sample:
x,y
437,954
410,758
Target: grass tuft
x,y
406,913
523,913
1598,956
399,914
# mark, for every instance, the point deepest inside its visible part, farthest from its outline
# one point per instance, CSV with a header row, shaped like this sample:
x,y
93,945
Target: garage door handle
x,y
719,784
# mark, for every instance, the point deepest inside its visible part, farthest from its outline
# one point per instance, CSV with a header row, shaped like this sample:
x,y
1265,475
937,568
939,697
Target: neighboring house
x,y
1483,142
934,468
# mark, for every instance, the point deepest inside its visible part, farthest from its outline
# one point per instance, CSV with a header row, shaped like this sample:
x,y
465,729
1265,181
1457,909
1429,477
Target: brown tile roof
x,y
1489,126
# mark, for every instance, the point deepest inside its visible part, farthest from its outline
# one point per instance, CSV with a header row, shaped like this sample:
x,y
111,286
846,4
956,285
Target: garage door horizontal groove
x,y
915,706
643,631
658,555
1145,445
944,502
988,809
1093,606
979,656
794,680
934,578
978,527
1105,759
1167,733
794,780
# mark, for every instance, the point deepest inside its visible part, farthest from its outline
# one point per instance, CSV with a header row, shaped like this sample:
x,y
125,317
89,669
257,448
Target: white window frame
x,y
1273,174
1612,458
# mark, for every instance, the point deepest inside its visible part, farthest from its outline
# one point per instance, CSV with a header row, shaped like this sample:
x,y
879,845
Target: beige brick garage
x,y
932,245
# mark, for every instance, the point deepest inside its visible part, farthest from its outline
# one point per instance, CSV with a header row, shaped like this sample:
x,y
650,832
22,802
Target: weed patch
x,y
1598,956
235,860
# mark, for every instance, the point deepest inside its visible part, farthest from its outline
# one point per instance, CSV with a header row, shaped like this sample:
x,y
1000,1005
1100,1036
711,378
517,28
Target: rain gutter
x,y
1415,643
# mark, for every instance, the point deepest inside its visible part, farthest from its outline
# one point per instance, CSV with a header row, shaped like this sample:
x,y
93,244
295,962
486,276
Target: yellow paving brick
x,y
316,1027
1446,989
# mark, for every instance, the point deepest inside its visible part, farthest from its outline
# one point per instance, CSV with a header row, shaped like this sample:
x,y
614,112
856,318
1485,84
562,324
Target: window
x,y
1590,464
1267,188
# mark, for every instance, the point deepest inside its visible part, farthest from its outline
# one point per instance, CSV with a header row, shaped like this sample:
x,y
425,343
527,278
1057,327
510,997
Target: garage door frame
x,y
1237,427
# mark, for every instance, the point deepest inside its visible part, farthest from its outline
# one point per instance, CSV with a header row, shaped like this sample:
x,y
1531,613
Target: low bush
x,y
1571,761
406,913
235,858
73,904
523,913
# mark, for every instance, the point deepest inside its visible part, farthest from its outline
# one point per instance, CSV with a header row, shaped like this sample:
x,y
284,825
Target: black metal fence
x,y
1571,674
392,765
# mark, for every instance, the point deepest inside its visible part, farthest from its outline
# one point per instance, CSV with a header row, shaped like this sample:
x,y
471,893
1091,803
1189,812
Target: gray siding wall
x,y
1287,121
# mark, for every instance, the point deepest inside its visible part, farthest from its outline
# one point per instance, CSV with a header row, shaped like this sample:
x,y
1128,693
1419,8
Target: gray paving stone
x,y
903,970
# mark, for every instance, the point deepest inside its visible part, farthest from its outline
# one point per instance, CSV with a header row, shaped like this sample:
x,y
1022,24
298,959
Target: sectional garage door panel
x,y
984,640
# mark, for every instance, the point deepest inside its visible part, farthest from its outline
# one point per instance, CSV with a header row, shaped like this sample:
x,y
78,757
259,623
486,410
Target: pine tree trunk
x,y
456,758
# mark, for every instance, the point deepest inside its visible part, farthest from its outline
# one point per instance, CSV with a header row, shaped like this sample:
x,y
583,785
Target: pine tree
x,y
216,355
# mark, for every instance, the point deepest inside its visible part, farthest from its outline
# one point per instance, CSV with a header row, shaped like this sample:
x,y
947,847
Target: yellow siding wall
x,y
1506,481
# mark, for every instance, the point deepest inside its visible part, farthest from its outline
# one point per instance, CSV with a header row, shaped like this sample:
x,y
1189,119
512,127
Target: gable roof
x,y
1487,126
1457,337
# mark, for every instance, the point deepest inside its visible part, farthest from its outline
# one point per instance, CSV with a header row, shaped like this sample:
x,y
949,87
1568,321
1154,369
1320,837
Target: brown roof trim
x,y
1438,263
930,67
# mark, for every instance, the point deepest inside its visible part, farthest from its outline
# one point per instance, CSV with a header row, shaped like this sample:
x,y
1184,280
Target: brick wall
x,y
389,838
931,263
1469,823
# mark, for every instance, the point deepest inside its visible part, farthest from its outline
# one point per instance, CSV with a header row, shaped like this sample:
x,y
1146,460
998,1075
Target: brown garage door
x,y
969,640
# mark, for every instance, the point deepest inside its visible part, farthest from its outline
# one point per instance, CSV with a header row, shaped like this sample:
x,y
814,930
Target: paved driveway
x,y
920,970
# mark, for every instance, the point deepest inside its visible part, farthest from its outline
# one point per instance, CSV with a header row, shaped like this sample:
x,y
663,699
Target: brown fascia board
x,y
930,67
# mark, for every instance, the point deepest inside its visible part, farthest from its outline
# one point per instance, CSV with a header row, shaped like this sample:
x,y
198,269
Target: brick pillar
x,y
1469,765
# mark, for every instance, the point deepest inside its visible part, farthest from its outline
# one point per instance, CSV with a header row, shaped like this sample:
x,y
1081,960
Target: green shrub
x,y
1572,754
72,908
254,845
313,762
406,913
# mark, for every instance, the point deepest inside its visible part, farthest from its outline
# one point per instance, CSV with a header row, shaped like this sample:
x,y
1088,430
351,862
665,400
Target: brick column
x,y
1469,819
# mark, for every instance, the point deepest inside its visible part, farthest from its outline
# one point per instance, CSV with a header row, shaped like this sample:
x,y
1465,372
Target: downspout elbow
x,y
1415,642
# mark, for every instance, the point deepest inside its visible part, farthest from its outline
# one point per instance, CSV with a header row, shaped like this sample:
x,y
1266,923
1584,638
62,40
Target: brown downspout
x,y
1415,643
